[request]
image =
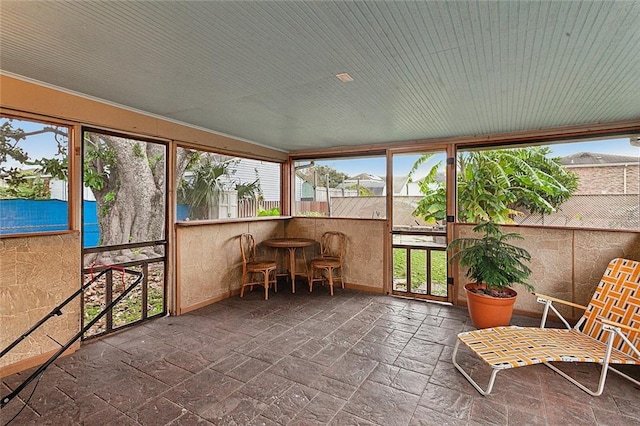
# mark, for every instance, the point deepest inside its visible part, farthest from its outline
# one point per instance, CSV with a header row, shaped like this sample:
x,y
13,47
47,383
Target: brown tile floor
x,y
305,359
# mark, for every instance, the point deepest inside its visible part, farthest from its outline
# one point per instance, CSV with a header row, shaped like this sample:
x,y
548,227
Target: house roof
x,y
367,177
582,158
265,71
399,182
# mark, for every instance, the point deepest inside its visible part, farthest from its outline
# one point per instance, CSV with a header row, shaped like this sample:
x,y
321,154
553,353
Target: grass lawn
x,y
128,309
419,270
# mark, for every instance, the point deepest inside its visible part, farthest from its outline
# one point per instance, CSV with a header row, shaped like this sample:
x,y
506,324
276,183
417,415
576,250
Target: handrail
x,y
56,312
418,232
100,249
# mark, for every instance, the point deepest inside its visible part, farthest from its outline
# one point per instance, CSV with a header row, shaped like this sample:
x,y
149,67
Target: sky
x,y
402,163
38,146
44,146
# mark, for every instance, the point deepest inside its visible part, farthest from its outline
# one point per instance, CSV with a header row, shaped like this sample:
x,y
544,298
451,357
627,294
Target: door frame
x,y
450,179
143,263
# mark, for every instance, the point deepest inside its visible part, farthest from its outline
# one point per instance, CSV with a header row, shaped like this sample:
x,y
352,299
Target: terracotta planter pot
x,y
486,311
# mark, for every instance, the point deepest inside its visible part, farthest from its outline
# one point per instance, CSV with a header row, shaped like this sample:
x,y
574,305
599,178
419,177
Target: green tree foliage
x,y
498,185
210,175
249,190
318,175
362,191
30,184
335,177
25,185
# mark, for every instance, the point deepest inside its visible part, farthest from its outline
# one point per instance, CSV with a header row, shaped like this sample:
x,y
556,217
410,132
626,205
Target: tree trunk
x,y
131,193
137,212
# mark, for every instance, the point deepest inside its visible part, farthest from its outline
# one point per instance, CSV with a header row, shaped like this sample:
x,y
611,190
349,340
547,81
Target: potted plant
x,y
493,265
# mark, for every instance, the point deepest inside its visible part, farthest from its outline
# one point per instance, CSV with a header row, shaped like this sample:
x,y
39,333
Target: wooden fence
x,y
250,208
311,206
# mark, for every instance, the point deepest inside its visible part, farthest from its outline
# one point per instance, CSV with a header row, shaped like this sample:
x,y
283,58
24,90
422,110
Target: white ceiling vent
x,y
344,77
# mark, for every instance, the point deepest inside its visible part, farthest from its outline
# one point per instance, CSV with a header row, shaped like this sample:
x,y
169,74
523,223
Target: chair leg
x,y
341,277
597,392
605,366
310,279
243,283
468,377
330,273
266,284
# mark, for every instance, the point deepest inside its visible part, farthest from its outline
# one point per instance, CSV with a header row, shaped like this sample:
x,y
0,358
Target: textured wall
x,y
36,274
566,263
209,262
364,260
608,179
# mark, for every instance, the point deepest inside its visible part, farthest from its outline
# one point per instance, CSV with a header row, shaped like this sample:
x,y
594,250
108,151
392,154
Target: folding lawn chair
x,y
607,333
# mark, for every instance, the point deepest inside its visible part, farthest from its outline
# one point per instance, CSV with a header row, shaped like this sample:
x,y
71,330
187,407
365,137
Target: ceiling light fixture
x,y
344,77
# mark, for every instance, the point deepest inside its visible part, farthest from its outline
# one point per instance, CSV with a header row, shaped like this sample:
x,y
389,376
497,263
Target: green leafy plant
x,y
269,212
107,202
137,150
26,185
362,191
211,175
491,259
497,185
249,190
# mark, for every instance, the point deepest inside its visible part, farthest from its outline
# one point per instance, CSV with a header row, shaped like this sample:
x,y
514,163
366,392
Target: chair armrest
x,y
619,325
615,328
564,302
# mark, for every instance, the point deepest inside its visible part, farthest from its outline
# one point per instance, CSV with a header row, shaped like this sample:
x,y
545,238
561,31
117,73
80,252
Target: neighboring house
x,y
608,194
303,188
247,171
375,184
604,173
403,187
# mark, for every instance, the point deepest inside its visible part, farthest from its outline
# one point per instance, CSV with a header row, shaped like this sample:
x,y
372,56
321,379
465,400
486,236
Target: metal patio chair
x,y
607,333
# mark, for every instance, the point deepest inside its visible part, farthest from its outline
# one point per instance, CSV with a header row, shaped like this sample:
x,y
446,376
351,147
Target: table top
x,y
288,242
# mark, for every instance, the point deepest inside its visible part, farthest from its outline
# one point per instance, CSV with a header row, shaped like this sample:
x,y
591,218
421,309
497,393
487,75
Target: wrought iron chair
x,y
251,265
332,248
607,333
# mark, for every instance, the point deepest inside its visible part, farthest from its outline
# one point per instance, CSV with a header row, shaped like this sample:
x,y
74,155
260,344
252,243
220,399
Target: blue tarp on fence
x,y
182,211
18,216
91,235
23,216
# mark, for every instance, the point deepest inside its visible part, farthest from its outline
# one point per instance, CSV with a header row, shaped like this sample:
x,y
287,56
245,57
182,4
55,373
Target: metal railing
x,y
419,247
57,311
106,286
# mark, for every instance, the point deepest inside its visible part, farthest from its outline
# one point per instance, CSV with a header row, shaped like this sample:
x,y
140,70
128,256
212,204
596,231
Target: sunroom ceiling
x,y
265,71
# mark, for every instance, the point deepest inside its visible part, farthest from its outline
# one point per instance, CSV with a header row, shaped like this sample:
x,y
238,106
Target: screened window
x,y
216,186
587,183
34,185
353,187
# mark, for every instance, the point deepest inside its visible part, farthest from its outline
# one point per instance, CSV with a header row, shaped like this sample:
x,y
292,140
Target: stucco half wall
x,y
36,274
208,259
209,262
364,258
565,263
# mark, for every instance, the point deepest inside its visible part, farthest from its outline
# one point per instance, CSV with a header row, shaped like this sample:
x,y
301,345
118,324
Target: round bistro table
x,y
291,244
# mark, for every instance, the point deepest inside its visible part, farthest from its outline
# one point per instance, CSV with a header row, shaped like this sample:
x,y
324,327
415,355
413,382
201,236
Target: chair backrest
x,y
617,298
247,248
333,244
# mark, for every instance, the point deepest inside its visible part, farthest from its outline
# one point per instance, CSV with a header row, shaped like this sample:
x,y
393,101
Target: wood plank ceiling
x,y
265,71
